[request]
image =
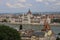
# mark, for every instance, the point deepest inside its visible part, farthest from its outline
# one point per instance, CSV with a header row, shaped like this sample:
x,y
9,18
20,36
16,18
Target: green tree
x,y
57,38
58,33
7,33
55,20
5,20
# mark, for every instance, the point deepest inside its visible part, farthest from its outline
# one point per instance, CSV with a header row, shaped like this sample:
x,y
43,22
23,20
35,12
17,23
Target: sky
x,y
17,6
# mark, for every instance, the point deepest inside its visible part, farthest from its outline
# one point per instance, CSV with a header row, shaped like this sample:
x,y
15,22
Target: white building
x,y
27,18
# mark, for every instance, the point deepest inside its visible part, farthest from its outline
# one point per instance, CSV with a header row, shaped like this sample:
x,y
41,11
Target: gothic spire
x,y
29,12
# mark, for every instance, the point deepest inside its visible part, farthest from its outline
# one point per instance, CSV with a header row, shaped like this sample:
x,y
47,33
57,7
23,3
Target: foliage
x,y
58,33
7,33
55,21
58,38
5,20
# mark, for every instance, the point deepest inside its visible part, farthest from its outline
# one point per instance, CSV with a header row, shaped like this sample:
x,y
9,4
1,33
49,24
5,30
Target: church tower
x,y
46,26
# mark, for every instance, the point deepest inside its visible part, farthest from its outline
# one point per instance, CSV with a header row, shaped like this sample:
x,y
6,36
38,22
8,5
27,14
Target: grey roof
x,y
39,34
24,35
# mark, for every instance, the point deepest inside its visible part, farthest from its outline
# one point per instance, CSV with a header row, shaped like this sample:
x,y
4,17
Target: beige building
x,y
35,20
45,34
27,18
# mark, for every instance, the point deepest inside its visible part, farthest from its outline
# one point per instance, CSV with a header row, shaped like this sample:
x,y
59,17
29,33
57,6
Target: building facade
x,y
26,18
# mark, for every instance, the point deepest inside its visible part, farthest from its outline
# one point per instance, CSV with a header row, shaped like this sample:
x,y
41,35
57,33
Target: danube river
x,y
55,28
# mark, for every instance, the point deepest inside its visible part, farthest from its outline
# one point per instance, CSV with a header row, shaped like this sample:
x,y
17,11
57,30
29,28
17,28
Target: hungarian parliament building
x,y
27,18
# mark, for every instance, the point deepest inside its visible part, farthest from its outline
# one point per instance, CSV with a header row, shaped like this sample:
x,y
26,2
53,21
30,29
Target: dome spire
x,y
29,12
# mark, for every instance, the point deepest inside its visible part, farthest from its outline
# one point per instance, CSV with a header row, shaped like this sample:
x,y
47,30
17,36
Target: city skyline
x,y
17,6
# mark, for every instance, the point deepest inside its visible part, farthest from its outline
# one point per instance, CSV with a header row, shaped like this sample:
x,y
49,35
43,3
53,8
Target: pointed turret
x,y
46,26
29,12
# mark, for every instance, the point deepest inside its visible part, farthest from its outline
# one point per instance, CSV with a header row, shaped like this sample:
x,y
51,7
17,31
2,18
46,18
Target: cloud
x,y
45,0
57,4
21,0
51,0
50,4
39,0
9,5
1,10
18,5
17,0
46,3
54,6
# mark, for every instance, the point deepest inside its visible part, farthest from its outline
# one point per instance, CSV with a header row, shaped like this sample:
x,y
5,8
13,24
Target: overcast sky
x,y
17,6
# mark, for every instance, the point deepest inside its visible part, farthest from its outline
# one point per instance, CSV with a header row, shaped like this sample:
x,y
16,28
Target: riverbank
x,y
37,24
54,27
30,24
